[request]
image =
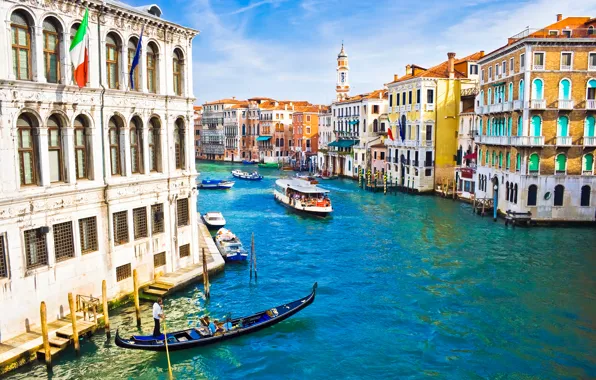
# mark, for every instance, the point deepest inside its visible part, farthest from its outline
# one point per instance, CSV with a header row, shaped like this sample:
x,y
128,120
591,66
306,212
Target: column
x,y
37,64
142,67
43,157
145,149
125,152
188,70
65,65
124,66
8,60
69,154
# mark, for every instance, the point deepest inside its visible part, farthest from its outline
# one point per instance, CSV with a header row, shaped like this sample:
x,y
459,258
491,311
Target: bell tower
x,y
342,88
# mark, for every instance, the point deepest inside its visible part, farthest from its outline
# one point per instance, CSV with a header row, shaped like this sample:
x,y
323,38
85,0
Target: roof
x,y
342,53
379,145
198,108
152,11
225,101
439,71
300,185
377,94
240,105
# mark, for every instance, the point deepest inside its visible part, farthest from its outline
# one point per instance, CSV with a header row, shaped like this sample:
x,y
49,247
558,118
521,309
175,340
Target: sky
x,y
287,49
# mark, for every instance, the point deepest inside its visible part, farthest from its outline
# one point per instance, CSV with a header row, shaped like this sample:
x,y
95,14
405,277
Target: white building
x,y
96,182
467,153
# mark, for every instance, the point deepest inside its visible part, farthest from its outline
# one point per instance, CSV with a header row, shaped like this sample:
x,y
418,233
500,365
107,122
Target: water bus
x,y
303,196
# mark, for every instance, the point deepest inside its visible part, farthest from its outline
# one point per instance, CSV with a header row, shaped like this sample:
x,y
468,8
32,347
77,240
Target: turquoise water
x,y
409,287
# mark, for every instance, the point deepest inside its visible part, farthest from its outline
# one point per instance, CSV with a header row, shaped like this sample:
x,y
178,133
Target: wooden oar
x,y
165,334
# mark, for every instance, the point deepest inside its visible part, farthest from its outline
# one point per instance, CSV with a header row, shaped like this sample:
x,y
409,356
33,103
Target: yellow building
x,y
423,115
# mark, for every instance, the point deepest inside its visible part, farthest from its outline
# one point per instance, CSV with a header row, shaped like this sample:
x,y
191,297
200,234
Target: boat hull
x,y
321,212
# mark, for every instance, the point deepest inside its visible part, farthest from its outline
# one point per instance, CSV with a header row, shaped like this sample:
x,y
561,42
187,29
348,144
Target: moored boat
x,y
271,165
306,177
216,184
230,246
254,176
246,162
303,196
214,219
200,336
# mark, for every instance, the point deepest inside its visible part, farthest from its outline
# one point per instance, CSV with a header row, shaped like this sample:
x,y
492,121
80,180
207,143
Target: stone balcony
x,y
591,104
510,140
518,105
564,141
538,104
565,104
430,107
589,140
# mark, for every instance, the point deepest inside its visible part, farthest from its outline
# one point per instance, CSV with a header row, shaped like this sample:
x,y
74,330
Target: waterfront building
x,y
305,125
234,118
213,139
423,113
325,137
98,181
198,123
377,167
537,109
251,140
467,152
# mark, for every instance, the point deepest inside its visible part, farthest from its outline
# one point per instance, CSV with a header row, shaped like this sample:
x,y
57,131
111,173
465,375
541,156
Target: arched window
x,y
563,126
21,45
507,191
560,164
532,195
508,161
480,127
486,158
179,144
154,145
537,89
55,149
114,135
132,50
489,98
500,160
509,126
375,125
520,126
588,163
585,196
281,143
565,89
243,130
559,194
590,30
28,143
489,131
534,166
152,67
136,145
521,90
112,60
178,71
81,148
591,94
494,160
51,50
510,98
480,156
536,129
277,142
518,162
589,128
482,97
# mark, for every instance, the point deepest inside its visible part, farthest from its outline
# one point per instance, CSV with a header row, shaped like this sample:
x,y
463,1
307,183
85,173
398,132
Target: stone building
x,y
213,139
537,109
198,123
98,181
235,118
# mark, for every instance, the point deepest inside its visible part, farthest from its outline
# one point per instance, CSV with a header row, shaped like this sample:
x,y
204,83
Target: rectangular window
x,y
511,65
592,61
504,68
375,109
553,33
566,61
522,62
88,234
409,97
123,272
473,69
397,98
120,226
158,217
182,211
185,250
490,73
63,241
159,259
35,248
538,61
139,218
418,96
382,155
3,259
567,33
403,98
430,96
482,75
497,70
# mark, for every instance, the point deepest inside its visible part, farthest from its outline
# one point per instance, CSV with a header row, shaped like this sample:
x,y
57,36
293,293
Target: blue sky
x,y
287,49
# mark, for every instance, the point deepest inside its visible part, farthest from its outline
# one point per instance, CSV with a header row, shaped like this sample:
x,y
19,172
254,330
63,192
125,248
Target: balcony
x,y
565,104
409,107
431,107
507,106
493,140
589,140
429,164
417,107
479,110
390,109
564,141
591,104
517,105
415,163
538,67
538,104
410,143
565,67
527,140
493,108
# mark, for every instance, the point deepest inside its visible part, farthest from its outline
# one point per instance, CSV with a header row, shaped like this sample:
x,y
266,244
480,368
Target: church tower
x,y
342,88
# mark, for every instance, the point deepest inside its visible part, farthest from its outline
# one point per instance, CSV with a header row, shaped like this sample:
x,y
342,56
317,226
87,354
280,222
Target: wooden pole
x,y
254,254
205,275
104,297
73,321
165,339
94,314
135,280
44,333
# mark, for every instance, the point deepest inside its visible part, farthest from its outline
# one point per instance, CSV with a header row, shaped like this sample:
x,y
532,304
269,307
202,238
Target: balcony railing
x,y
591,104
411,143
538,104
408,107
495,108
565,104
589,140
507,106
538,67
517,104
417,107
527,140
564,141
428,164
479,110
565,67
493,140
390,109
415,163
430,106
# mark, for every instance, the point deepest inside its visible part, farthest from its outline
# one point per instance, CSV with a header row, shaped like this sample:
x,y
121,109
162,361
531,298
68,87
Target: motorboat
x,y
214,219
270,165
216,184
254,176
246,162
311,178
303,196
230,246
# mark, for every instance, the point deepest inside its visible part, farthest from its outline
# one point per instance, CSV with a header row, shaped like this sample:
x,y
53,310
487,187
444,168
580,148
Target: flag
x,y
79,52
390,133
135,60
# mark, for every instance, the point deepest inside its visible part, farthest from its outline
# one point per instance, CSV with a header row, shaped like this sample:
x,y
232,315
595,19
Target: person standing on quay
x,y
157,317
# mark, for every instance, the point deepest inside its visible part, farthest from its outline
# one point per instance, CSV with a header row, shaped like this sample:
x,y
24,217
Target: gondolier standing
x,y
157,317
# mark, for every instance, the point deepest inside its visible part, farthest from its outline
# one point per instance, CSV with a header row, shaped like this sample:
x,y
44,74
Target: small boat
x,y
214,219
200,336
216,184
254,176
287,168
271,165
303,196
230,246
306,177
246,162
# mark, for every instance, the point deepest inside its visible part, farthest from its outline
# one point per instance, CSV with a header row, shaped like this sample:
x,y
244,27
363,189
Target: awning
x,y
498,84
354,122
471,156
347,143
263,138
334,143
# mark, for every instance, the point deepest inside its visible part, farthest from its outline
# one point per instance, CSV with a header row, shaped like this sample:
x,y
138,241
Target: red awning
x,y
467,172
471,156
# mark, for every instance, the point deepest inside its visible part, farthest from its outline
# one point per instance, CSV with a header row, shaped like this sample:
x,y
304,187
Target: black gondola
x,y
196,337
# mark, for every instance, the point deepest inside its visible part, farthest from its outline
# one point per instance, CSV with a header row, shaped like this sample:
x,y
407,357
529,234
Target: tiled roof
x,y
226,101
369,95
439,71
198,108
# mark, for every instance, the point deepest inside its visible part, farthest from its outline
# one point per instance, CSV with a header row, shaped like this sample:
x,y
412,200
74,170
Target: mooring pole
x,y
73,321
254,253
135,280
104,299
205,275
44,333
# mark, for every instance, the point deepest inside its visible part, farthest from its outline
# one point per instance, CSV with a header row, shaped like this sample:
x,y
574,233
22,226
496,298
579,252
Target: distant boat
x,y
247,176
272,165
214,219
216,184
230,246
303,196
246,162
311,178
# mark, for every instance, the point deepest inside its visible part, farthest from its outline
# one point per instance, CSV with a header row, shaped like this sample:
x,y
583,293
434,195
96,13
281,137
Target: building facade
x,y
198,123
537,106
97,183
467,152
234,118
213,136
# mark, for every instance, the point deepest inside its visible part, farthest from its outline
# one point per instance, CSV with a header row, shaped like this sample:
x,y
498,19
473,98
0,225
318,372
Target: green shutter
x,y
563,126
561,160
590,122
518,163
565,89
536,126
534,162
588,162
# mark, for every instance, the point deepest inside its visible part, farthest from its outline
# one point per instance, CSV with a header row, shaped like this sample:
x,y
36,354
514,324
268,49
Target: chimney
x,y
395,76
451,64
559,16
482,53
233,97
286,107
408,70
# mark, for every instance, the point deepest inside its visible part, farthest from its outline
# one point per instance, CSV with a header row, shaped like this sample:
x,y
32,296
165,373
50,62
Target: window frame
x,y
82,148
570,68
114,148
41,243
591,67
48,53
120,237
17,48
67,237
136,148
56,148
534,65
177,72
4,260
32,149
562,200
152,69
88,231
114,62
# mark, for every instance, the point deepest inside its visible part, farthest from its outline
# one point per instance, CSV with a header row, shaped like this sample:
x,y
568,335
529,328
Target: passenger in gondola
x,y
210,325
228,325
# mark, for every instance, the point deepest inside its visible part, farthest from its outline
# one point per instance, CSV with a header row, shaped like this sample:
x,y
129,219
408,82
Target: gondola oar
x,y
165,335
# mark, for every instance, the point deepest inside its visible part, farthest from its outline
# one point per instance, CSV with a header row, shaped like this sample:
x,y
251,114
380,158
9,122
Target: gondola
x,y
197,337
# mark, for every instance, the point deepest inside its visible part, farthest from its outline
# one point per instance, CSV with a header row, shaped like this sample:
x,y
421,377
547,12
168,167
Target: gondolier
x,y
157,317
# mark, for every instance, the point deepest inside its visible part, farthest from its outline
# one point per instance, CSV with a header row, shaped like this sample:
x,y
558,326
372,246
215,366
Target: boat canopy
x,y
300,186
263,138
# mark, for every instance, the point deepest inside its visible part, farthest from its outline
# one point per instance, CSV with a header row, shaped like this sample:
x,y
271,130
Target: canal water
x,y
409,287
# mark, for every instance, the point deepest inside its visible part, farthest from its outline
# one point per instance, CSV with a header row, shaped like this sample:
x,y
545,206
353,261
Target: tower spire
x,y
342,88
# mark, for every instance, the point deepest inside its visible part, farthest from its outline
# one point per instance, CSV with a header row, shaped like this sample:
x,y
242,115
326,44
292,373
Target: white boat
x,y
302,195
254,176
230,246
216,184
214,220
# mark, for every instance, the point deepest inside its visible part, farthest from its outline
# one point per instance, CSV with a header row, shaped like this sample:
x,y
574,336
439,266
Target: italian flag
x,y
79,52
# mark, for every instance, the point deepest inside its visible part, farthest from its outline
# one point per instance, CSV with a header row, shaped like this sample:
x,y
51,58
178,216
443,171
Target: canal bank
x,y
408,287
